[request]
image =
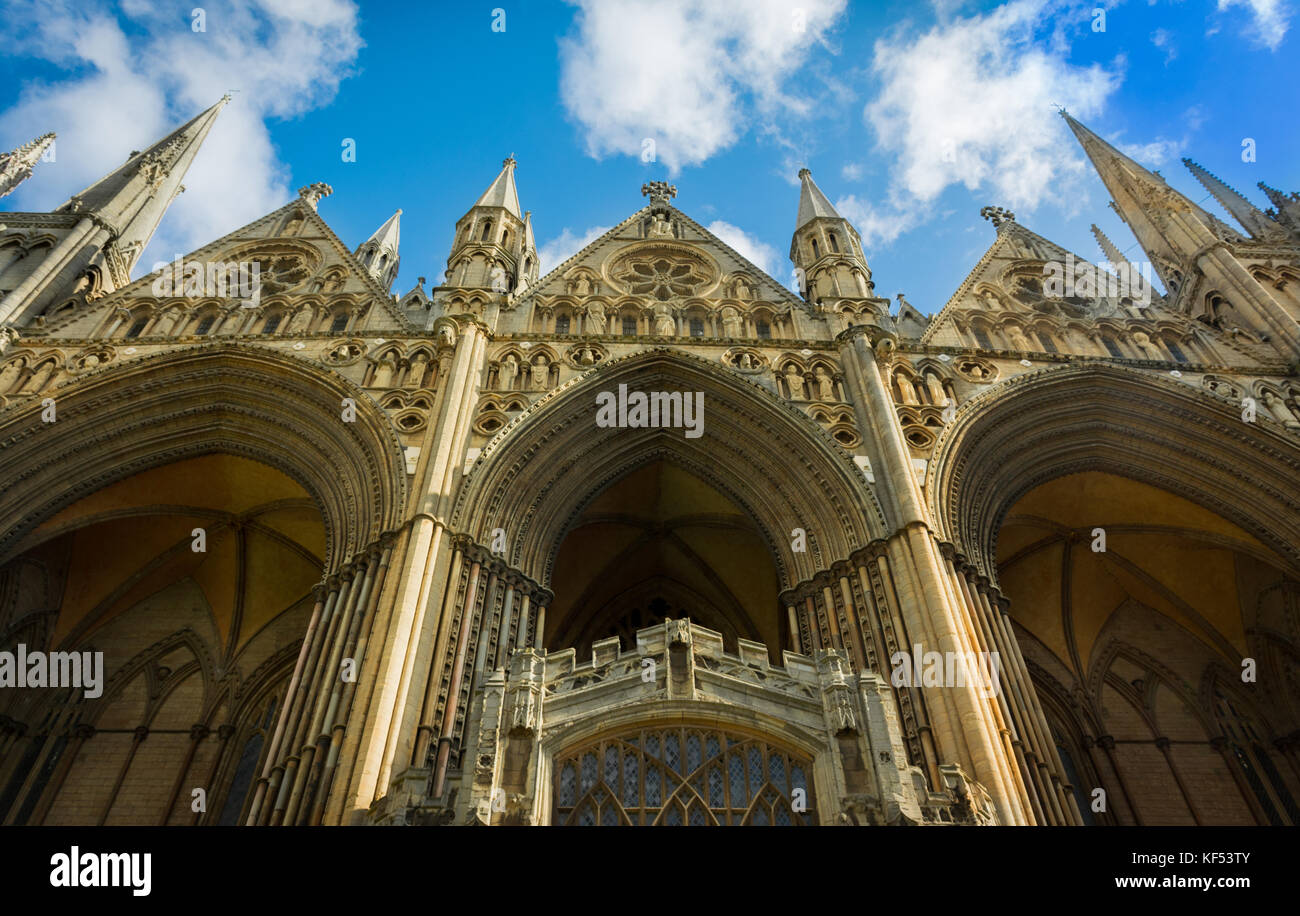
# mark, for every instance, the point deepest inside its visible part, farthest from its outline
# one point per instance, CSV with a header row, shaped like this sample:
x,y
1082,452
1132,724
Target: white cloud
x,y
691,76
1269,20
1156,153
134,78
566,245
758,253
1163,40
852,171
972,101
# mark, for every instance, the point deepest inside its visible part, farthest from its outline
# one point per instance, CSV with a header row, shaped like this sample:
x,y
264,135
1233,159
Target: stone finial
x,y
997,216
313,193
659,192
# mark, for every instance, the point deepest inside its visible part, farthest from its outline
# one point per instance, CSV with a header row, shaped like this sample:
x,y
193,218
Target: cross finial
x,y
659,192
508,162
997,216
313,193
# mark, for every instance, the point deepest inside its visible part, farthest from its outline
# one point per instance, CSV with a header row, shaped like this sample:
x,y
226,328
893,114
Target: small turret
x,y
826,249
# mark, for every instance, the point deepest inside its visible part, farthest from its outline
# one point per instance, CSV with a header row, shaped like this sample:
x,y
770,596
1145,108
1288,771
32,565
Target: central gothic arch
x,y
539,473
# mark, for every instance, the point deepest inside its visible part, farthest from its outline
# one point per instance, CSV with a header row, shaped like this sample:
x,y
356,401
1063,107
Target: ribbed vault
x,y
223,399
537,476
1040,426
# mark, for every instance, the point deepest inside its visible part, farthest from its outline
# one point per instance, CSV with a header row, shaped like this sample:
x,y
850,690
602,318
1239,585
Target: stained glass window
x,y
682,776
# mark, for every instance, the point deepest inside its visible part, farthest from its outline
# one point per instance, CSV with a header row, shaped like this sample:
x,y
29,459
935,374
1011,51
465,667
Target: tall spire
x,y
16,167
1242,210
378,254
1108,248
133,198
1169,226
812,202
502,193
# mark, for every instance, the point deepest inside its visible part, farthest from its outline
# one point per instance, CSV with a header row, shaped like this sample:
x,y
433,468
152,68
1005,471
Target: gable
x,y
1009,280
291,252
658,254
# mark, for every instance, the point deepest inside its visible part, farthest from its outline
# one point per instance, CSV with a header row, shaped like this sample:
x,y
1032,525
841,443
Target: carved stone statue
x,y
10,374
1278,408
300,320
664,324
730,322
582,286
509,370
596,322
383,373
795,382
825,385
585,357
1018,339
541,372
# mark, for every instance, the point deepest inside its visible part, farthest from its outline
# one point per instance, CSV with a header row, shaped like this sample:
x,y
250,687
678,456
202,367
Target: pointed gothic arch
x,y
528,479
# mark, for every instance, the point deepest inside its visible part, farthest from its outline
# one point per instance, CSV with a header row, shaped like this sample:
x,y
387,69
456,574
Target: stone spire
x,y
378,254
1169,227
826,250
501,192
16,167
493,248
1242,210
132,199
1108,248
812,202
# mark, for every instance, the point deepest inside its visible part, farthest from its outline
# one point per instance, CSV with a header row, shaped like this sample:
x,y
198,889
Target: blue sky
x,y
911,115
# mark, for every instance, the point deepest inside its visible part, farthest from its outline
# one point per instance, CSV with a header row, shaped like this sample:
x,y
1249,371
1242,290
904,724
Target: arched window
x,y
629,326
835,244
138,328
1175,351
562,325
1048,344
682,776
273,322
697,327
816,252
340,323
1247,747
763,328
205,324
1111,346
487,231
505,239
982,337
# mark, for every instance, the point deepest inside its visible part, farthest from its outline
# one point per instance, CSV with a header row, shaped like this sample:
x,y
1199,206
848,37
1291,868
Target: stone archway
x,y
1142,540
214,500
537,475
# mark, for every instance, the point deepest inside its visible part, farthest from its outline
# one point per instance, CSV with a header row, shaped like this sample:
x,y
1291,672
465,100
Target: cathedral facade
x,y
648,538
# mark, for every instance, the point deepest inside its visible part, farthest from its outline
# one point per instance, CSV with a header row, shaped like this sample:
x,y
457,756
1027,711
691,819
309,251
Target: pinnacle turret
x,y
379,253
826,249
494,247
1108,248
16,167
1242,210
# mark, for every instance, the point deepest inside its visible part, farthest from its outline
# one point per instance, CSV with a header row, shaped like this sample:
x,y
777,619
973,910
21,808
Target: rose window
x,y
661,279
281,271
